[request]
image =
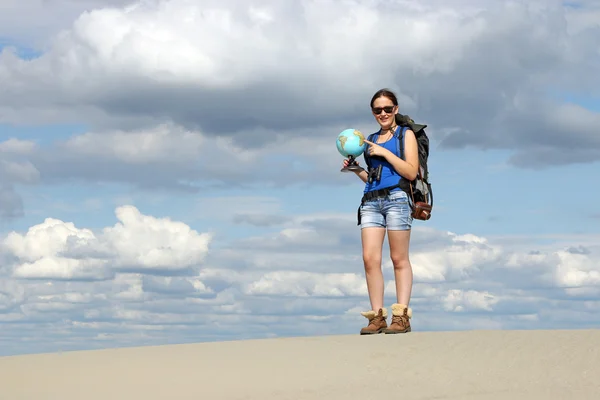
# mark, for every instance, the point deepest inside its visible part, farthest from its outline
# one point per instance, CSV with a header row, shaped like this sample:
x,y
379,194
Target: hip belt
x,y
375,194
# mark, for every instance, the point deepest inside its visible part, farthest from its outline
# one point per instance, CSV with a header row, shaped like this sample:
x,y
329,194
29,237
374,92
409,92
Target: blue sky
x,y
129,120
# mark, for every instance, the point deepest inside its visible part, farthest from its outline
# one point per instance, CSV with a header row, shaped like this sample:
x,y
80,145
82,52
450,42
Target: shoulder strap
x,y
400,142
371,138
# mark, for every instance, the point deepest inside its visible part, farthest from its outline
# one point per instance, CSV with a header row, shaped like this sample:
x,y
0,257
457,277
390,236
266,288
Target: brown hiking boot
x,y
401,316
377,322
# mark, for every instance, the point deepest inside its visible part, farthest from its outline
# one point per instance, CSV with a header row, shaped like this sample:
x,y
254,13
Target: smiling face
x,y
384,109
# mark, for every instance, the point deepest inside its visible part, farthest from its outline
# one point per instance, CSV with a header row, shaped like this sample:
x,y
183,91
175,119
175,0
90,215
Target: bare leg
x,y
372,243
399,242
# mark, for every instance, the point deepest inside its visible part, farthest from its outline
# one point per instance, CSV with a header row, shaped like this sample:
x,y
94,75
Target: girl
x,y
385,207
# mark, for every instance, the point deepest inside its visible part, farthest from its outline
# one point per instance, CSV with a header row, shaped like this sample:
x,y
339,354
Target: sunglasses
x,y
388,109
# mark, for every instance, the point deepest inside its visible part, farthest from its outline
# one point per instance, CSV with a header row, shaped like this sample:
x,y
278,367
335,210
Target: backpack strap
x,y
400,146
372,138
400,141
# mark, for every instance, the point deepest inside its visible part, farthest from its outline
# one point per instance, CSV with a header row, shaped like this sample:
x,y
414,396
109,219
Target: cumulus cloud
x,y
483,77
162,144
31,23
166,156
182,95
12,294
460,280
136,292
188,95
58,250
305,284
459,300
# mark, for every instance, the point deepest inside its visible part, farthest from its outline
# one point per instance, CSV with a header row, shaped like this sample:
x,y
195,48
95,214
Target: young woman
x,y
385,207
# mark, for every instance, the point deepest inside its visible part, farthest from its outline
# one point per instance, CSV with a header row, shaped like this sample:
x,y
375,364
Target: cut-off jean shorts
x,y
392,212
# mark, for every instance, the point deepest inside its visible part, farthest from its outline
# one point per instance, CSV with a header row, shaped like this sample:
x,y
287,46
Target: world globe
x,y
351,143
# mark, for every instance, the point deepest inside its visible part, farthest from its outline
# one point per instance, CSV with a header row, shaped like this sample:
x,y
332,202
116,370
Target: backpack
x,y
419,189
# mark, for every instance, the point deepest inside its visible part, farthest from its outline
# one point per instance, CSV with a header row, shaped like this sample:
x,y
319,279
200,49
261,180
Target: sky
x,y
169,174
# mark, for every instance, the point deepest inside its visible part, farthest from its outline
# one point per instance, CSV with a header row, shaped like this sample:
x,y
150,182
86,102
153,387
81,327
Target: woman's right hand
x,y
346,162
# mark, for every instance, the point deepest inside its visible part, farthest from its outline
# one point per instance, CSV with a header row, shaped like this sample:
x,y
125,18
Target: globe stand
x,y
352,165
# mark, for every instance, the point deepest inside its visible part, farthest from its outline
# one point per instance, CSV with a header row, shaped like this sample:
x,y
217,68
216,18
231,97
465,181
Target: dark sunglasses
x,y
388,109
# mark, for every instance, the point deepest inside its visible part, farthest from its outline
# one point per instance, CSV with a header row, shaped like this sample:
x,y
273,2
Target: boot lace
x,y
401,320
376,321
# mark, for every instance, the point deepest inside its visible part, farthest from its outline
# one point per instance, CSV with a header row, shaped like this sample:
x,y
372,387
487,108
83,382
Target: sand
x,y
483,365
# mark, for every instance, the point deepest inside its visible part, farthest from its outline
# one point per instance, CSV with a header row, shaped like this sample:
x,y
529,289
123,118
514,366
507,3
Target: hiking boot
x,y
377,322
401,316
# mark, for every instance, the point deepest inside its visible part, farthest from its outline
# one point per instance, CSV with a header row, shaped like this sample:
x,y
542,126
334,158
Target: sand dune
x,y
483,365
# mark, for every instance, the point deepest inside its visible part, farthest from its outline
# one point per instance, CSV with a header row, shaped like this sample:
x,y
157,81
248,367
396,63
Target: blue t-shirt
x,y
389,176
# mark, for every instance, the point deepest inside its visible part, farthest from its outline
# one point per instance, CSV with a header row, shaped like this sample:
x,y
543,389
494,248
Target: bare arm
x,y
408,168
362,175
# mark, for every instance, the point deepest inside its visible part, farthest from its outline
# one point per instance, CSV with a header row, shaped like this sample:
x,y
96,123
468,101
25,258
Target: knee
x,y
372,261
400,262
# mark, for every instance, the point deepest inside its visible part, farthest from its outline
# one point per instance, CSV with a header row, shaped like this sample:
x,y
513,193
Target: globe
x,y
351,143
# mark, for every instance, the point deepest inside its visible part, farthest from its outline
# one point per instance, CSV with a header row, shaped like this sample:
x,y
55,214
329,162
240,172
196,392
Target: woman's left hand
x,y
376,150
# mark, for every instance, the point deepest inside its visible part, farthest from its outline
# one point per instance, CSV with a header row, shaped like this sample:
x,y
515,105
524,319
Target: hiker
x,y
392,156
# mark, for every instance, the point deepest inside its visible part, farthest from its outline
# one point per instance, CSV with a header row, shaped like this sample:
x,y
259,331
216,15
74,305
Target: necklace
x,y
388,131
384,137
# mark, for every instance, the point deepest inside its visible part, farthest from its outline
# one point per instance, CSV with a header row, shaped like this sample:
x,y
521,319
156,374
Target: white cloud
x,y
270,66
16,146
576,270
478,282
163,144
47,239
12,294
168,156
460,300
58,250
14,163
160,243
186,95
217,93
462,254
303,284
31,23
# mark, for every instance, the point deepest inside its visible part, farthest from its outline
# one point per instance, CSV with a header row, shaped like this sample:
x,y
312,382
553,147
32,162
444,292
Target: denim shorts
x,y
392,212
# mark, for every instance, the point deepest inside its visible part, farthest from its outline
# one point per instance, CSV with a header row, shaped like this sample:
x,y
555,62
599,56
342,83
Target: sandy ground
x,y
484,365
